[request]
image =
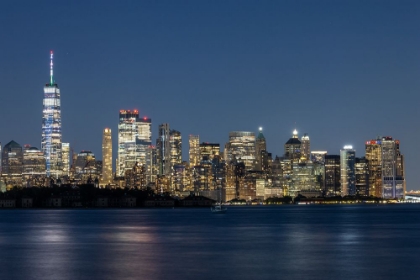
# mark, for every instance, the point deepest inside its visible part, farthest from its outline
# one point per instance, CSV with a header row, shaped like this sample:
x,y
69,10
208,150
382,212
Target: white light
x,y
348,147
260,128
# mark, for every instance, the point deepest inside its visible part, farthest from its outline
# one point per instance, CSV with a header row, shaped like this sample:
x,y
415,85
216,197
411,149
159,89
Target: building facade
x,y
347,171
260,151
12,164
134,140
332,186
293,147
65,149
163,149
107,177
194,152
241,146
306,147
51,142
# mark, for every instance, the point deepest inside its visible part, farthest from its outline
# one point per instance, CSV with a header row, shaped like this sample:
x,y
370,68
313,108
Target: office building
x,y
194,152
373,153
33,161
106,157
392,169
332,186
175,142
361,168
260,150
347,171
51,126
12,163
163,149
305,147
208,151
134,140
293,147
65,149
241,147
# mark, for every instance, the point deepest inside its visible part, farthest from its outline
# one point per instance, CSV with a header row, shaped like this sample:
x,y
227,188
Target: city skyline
x,y
342,95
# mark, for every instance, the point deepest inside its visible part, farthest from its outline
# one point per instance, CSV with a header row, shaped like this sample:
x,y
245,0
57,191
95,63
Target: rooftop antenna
x,y
51,68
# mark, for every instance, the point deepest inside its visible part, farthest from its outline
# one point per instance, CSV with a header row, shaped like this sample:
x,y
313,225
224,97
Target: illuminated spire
x,y
295,134
51,68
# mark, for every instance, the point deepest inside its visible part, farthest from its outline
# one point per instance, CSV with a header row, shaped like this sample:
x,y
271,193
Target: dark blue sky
x,y
343,71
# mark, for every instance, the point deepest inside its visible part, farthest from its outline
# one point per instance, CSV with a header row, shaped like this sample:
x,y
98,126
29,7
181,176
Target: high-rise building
x,y
106,156
392,169
361,168
163,149
332,185
134,139
85,163
241,146
373,153
65,149
175,140
33,167
33,161
260,150
293,147
12,163
386,168
305,147
194,152
209,151
347,171
51,126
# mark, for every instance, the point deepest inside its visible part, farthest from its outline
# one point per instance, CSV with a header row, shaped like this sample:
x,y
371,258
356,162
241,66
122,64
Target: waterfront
x,y
283,242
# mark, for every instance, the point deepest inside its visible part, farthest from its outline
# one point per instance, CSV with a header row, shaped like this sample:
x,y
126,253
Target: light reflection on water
x,y
288,242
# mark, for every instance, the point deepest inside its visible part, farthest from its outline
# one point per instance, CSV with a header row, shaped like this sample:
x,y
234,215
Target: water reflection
x,y
247,243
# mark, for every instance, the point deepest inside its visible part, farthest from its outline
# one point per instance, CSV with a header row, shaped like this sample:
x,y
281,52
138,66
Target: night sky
x,y
342,71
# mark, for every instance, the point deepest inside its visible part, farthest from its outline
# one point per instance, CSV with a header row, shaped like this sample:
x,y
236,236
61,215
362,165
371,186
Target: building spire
x,y
51,68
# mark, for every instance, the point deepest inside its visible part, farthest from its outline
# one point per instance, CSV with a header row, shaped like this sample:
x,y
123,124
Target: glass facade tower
x,y
107,156
347,171
241,147
51,126
194,152
65,150
134,139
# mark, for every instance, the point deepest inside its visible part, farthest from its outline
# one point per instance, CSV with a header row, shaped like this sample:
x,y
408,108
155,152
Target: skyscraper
x,y
194,152
332,175
347,171
33,162
176,147
51,126
392,169
134,139
260,149
163,148
241,146
386,168
361,168
106,156
12,163
65,149
306,147
209,150
292,148
373,154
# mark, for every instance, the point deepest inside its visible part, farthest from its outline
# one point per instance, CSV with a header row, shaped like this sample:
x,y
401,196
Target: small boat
x,y
218,208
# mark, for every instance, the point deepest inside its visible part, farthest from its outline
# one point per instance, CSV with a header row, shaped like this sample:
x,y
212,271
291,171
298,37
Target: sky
x,y
342,71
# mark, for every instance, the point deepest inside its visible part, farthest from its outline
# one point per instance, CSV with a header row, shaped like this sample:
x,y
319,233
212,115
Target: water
x,y
284,242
